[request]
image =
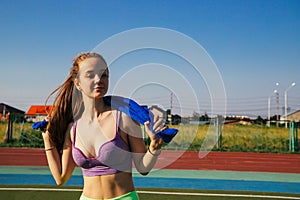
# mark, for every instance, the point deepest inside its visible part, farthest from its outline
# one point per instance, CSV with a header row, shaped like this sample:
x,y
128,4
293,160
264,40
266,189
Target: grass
x,y
23,136
37,192
246,138
254,138
3,128
18,128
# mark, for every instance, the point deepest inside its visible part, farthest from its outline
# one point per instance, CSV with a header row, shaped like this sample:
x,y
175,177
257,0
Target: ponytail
x,y
68,104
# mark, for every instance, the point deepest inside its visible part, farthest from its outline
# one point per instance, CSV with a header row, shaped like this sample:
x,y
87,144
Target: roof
x,y
39,110
157,108
8,108
292,113
158,111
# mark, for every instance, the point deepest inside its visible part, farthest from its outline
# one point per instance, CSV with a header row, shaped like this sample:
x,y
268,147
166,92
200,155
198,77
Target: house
x,y
7,109
157,111
38,112
294,117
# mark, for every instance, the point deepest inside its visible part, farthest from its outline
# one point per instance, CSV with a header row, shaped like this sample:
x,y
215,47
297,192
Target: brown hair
x,y
67,105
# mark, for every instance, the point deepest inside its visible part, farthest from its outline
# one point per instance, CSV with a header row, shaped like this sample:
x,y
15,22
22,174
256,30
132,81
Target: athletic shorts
x,y
129,196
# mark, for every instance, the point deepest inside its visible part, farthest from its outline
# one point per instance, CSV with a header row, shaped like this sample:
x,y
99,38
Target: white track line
x,y
220,195
163,193
43,189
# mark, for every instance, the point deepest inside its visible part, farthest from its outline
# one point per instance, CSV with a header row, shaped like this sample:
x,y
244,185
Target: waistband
x,y
129,196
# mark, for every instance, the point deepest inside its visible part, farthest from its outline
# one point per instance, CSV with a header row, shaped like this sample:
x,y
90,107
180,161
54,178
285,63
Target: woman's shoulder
x,y
69,131
128,125
70,126
69,135
127,119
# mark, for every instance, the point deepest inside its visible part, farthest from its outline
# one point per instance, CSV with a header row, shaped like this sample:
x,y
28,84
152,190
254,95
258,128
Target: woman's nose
x,y
97,78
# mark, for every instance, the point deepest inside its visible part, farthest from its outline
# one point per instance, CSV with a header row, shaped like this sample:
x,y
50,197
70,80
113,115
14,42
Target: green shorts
x,y
129,196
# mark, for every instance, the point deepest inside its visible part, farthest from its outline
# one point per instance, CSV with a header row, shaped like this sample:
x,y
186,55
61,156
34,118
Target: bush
x,y
27,138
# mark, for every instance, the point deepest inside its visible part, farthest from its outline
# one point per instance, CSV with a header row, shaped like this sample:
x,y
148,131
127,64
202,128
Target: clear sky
x,y
253,43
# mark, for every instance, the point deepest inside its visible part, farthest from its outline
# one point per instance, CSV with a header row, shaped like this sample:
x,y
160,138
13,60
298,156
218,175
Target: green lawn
x,y
241,138
39,192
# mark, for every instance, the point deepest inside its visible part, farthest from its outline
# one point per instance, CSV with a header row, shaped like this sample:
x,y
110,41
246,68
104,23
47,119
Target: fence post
x,y
218,132
292,137
8,135
296,137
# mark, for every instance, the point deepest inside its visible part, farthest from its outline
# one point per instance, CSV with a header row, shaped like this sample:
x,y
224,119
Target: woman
x,y
83,130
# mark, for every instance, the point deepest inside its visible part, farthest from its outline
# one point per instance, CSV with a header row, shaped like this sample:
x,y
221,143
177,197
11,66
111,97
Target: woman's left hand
x,y
155,141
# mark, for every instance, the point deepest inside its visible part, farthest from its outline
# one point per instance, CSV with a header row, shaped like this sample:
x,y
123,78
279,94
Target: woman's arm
x,y
61,168
144,159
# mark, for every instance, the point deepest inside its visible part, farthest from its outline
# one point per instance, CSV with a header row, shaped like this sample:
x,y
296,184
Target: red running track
x,y
233,161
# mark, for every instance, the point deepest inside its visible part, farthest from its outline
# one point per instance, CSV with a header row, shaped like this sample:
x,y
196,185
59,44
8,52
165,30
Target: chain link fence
x,y
16,132
231,137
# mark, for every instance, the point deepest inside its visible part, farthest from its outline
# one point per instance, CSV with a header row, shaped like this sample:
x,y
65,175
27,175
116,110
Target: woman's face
x,y
92,78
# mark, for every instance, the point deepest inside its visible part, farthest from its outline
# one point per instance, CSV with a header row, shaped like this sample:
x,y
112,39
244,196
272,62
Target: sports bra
x,y
114,156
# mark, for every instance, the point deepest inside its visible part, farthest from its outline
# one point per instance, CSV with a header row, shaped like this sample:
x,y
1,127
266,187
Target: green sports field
x,y
46,192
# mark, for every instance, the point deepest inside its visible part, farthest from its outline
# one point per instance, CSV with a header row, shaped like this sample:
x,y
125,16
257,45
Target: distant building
x,y
294,117
159,112
38,112
7,109
172,119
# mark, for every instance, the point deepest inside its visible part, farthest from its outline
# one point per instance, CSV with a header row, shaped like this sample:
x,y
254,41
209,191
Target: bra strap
x,y
118,121
74,132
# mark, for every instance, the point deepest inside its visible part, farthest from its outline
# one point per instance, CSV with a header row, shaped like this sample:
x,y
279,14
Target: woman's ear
x,y
77,84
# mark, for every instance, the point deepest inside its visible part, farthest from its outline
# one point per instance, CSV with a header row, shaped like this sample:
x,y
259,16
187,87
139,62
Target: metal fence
x,y
294,137
19,134
216,137
237,137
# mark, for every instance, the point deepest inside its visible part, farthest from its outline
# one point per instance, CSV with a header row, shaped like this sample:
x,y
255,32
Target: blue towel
x,y
139,113
40,125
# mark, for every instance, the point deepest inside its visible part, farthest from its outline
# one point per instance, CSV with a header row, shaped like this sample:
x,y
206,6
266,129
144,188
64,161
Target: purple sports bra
x,y
114,156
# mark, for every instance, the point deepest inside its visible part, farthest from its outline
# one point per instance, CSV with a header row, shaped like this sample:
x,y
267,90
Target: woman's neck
x,y
93,108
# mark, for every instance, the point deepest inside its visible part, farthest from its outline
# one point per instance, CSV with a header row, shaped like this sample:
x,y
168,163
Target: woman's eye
x,y
90,75
93,74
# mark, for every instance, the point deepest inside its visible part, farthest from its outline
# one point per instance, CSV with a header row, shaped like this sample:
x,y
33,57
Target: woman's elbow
x,y
144,173
143,170
60,181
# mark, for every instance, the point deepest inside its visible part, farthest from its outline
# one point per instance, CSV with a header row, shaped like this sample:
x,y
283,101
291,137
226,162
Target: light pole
x,y
277,109
285,102
269,107
277,104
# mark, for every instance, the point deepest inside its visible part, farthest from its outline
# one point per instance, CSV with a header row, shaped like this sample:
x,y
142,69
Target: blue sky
x,y
253,43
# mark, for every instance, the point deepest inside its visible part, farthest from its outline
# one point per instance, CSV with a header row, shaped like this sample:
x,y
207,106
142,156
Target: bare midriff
x,y
108,186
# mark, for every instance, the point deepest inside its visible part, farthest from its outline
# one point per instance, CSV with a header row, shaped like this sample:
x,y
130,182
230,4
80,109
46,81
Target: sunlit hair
x,y
67,105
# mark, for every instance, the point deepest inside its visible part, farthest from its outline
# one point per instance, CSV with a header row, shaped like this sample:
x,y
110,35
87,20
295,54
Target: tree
x,y
259,120
195,116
